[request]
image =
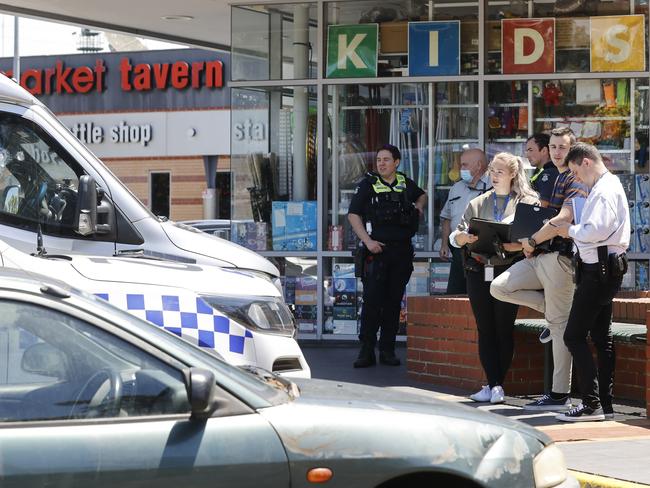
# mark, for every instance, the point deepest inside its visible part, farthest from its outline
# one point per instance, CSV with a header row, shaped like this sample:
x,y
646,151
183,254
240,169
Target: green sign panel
x,y
352,51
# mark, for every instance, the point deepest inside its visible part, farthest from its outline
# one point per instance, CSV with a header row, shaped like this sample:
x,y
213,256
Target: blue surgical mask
x,y
466,175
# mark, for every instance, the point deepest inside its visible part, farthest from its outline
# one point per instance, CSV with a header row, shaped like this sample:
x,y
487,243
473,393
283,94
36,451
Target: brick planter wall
x,y
442,348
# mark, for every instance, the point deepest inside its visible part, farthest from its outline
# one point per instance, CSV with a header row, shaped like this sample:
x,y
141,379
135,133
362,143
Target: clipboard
x,y
488,231
529,219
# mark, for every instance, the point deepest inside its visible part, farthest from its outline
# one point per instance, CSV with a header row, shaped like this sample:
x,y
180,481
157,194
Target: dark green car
x,y
91,397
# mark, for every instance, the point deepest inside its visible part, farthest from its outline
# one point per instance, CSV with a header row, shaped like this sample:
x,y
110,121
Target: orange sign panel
x,y
618,43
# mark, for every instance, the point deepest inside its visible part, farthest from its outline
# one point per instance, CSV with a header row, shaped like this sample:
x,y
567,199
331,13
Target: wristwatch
x,y
532,242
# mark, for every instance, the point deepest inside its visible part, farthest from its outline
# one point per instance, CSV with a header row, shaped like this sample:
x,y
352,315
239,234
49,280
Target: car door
x,y
96,409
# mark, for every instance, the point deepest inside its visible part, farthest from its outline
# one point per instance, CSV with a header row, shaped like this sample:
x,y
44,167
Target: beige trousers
x,y
546,285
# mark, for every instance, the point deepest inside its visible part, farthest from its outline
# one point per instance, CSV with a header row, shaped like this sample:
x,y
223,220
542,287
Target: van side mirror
x,y
95,213
201,387
105,213
85,222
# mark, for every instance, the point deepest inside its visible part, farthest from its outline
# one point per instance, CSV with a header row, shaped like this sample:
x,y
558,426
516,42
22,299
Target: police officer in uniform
x,y
538,154
384,214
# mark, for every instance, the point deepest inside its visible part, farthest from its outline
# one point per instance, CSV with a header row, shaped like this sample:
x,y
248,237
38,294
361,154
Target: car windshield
x,y
227,375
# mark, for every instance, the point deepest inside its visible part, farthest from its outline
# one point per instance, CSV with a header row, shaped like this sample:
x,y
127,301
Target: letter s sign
x,y
618,43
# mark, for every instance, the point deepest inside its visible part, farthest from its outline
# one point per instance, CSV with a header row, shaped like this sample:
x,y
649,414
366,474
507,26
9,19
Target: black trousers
x,y
384,282
456,284
591,313
495,321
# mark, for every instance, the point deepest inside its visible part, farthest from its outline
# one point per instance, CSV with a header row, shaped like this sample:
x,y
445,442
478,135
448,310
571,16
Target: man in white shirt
x,y
474,182
601,234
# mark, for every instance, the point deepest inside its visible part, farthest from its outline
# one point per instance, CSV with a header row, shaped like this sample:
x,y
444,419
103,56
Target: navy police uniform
x,y
543,181
394,220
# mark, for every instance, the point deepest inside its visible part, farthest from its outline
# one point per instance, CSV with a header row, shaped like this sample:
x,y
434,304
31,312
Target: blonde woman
x,y
494,319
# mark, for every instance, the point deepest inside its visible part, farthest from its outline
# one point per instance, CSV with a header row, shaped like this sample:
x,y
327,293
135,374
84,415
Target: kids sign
x,y
617,43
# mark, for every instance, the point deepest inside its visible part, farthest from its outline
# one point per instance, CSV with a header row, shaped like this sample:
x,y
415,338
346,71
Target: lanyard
x,y
498,214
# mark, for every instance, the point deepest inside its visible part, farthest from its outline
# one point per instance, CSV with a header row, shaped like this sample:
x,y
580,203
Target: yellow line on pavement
x,y
592,481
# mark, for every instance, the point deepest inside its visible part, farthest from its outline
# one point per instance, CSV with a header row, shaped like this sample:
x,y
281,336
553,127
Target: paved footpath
x,y
610,454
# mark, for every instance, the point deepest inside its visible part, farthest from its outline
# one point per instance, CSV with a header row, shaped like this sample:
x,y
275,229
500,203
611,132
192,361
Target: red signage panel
x,y
528,46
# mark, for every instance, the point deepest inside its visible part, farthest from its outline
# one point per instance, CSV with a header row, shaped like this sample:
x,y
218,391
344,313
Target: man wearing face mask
x,y
474,182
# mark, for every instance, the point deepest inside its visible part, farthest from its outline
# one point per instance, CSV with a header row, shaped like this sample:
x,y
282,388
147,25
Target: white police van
x,y
41,169
233,312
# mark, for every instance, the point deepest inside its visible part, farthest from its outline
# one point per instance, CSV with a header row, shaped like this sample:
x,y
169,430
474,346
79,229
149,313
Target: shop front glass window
x,y
299,283
507,117
343,293
362,119
388,53
273,165
430,123
575,36
274,42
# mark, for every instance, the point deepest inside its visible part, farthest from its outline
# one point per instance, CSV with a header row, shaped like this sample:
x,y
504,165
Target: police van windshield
x,y
38,180
86,153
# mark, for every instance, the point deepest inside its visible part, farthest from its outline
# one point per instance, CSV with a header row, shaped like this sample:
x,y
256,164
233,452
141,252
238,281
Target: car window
x,y
38,178
60,367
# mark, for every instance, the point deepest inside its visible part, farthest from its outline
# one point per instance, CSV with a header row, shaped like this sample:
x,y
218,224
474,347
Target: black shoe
x,y
389,358
582,413
366,358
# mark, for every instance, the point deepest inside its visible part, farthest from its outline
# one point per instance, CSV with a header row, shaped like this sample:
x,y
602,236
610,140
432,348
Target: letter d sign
x,y
528,46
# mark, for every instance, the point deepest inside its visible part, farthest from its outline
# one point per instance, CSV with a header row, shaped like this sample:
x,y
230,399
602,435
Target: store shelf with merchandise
x,y
585,118
456,141
288,252
514,140
509,105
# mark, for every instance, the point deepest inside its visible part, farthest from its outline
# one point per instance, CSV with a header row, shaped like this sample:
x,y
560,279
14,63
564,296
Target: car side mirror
x,y
201,387
43,359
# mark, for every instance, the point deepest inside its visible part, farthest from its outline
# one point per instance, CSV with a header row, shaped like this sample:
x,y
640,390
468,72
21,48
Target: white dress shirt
x,y
605,220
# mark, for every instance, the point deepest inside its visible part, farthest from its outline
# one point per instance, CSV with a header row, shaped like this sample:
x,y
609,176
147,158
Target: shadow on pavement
x,y
332,361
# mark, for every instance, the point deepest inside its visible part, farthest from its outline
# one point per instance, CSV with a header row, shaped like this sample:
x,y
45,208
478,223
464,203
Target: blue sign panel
x,y
434,48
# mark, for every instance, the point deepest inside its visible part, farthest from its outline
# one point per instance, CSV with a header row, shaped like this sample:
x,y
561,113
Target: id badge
x,y
489,272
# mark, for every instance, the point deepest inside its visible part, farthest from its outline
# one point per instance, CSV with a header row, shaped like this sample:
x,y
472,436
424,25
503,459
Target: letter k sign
x,y
349,51
352,51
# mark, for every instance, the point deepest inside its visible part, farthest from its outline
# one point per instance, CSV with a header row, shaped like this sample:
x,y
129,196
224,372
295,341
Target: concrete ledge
x,y
632,333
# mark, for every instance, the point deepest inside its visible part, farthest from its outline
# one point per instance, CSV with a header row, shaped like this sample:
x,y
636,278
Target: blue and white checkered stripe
x,y
189,317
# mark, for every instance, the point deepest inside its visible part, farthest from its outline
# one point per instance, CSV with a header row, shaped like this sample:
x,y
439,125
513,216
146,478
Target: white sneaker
x,y
497,395
483,395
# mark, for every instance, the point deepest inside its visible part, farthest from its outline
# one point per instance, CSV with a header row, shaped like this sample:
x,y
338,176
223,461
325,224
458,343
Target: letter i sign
x,y
352,51
528,45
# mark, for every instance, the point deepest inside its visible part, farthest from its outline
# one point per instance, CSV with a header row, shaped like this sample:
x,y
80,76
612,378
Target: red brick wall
x,y
442,349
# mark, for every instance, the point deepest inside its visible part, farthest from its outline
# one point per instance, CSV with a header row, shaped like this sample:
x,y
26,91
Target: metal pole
x,y
300,100
16,67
